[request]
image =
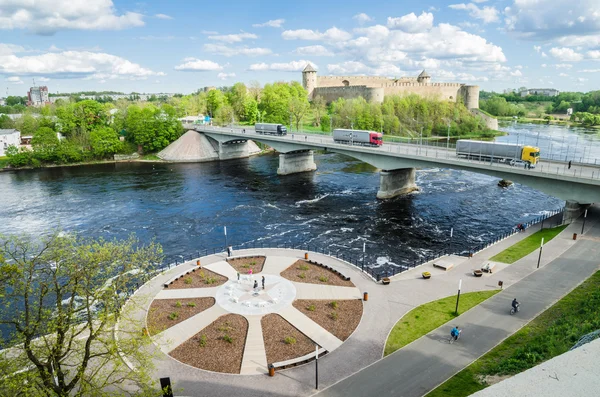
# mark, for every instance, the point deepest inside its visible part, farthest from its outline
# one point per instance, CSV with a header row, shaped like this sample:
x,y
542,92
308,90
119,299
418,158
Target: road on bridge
x,y
421,366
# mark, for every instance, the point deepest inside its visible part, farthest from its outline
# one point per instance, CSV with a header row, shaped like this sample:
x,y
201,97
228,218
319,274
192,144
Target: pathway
x,y
277,264
223,268
429,361
255,357
308,327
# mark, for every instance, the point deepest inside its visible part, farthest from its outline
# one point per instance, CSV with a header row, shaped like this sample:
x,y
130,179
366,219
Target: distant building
x,y
539,91
10,137
38,96
509,91
2,101
114,97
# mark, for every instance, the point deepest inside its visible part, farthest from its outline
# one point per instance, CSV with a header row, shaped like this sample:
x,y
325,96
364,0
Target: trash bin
x,y
306,255
198,262
574,236
271,370
365,296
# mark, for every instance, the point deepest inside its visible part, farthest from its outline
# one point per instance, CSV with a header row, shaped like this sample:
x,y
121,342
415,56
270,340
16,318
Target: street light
x,y
540,256
458,296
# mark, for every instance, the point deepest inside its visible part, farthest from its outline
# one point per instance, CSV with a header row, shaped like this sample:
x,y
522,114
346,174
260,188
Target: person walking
x,y
238,274
228,252
255,284
569,164
263,282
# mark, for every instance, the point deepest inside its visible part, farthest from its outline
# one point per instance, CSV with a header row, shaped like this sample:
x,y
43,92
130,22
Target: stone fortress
x,y
374,88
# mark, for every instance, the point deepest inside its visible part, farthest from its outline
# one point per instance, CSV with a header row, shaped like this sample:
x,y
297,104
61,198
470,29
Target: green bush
x,y
334,304
333,315
178,304
203,340
311,308
302,275
227,338
303,267
191,304
323,279
187,280
289,340
173,316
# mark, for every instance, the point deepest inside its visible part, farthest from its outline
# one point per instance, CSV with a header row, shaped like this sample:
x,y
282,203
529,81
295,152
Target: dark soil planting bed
x,y
165,313
304,272
201,278
243,265
338,317
282,340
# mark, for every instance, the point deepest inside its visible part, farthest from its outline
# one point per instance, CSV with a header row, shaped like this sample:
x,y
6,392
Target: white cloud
x,y
198,65
163,16
9,49
486,14
47,17
479,1
591,41
582,79
563,66
333,34
565,54
563,75
293,66
234,38
593,54
516,73
353,67
537,48
544,55
225,76
551,19
362,18
224,50
72,64
209,32
14,80
313,50
274,23
412,23
590,71
43,79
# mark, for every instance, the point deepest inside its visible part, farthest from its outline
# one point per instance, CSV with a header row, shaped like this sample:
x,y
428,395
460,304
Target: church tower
x,y
309,80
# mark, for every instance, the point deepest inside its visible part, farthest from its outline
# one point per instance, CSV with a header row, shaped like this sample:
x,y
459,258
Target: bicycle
x,y
514,310
455,338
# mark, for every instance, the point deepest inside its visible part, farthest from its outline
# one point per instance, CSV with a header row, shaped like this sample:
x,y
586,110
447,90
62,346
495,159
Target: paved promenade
x,y
421,366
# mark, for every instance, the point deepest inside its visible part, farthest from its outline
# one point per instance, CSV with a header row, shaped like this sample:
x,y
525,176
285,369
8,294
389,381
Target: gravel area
x,y
161,313
201,278
243,265
275,331
341,324
304,272
212,350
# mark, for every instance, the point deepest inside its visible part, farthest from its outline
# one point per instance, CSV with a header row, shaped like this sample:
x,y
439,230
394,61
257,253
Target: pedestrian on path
x,y
569,164
255,284
238,274
229,251
263,282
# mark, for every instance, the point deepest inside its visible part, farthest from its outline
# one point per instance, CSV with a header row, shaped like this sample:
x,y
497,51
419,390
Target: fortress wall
x,y
443,91
331,94
470,94
368,81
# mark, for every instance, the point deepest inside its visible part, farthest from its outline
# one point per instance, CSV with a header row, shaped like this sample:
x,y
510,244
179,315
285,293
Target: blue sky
x,y
180,46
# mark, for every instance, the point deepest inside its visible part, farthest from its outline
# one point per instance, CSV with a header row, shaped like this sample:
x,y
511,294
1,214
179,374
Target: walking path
x,y
386,305
277,264
330,292
308,327
255,357
429,361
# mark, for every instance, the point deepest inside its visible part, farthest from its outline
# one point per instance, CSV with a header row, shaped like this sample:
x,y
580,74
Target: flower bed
x,y
165,313
338,317
305,272
243,265
282,340
201,278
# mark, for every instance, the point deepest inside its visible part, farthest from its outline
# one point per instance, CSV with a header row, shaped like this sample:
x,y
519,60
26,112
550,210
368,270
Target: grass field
x,y
550,334
3,161
527,245
427,317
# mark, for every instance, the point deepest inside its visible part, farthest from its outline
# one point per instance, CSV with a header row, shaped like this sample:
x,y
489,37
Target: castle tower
x,y
309,80
424,77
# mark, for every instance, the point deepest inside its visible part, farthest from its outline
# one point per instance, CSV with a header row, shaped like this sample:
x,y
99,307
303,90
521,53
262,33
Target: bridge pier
x,y
572,211
396,182
233,150
295,162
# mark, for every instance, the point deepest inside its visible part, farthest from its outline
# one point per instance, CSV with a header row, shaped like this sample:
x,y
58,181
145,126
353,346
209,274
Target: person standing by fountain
x,y
255,285
263,282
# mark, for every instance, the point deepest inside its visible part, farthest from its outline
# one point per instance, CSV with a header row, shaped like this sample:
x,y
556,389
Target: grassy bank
x,y
552,333
3,161
527,245
427,317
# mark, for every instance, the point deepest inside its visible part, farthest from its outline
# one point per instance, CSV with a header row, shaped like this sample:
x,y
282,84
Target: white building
x,y
540,91
2,101
37,96
8,138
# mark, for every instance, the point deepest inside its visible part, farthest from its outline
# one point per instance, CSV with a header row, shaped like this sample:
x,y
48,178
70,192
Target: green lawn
x,y
527,245
150,156
3,161
550,334
429,316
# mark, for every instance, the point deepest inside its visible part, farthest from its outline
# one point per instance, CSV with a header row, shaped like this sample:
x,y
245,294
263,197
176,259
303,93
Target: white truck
x,y
357,137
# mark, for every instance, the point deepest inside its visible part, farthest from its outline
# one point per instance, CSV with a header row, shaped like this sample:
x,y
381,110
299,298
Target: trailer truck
x,y
510,153
270,128
357,137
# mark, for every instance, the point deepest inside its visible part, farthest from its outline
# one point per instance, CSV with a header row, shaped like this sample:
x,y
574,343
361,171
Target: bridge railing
x,y
360,261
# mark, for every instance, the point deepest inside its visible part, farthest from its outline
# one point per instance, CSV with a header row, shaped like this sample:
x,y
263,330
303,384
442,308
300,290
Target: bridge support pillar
x,y
237,150
572,211
293,163
396,182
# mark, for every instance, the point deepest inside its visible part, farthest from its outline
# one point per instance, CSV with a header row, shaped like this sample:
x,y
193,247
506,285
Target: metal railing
x,y
359,259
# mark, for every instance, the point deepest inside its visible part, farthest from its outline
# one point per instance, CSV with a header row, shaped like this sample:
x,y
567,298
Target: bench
x,y
298,360
488,267
444,265
246,256
166,285
345,278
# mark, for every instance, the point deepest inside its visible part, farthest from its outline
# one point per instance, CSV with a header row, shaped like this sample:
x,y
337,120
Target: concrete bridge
x,y
579,185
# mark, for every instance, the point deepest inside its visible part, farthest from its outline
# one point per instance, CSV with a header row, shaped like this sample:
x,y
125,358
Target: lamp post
x,y
317,367
584,216
458,296
364,250
540,256
225,231
448,138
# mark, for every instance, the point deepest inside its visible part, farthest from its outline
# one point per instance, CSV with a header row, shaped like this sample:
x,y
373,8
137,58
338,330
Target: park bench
x,y
488,267
444,265
185,273
298,360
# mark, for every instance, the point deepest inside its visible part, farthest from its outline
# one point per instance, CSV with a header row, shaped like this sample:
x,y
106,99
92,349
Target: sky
x,y
180,46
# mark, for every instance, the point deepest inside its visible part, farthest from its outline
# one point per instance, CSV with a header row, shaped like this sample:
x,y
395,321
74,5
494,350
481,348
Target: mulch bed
x,y
304,272
158,318
275,330
243,265
201,278
341,324
217,354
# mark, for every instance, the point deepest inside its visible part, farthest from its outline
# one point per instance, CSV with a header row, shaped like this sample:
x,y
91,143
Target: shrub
x,y
334,304
334,316
323,279
191,304
187,280
290,340
227,338
311,308
302,275
203,340
210,280
173,316
177,304
252,263
303,267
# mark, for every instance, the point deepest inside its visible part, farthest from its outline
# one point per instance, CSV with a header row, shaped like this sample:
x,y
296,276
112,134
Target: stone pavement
x,y
386,305
424,364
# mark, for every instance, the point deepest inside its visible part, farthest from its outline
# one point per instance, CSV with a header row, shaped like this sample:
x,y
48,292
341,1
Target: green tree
x,y
224,115
18,157
298,109
250,110
16,100
45,144
27,124
62,296
237,98
151,127
214,100
6,122
105,142
319,108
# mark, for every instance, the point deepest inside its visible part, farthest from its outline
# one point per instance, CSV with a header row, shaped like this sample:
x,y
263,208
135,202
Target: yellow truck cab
x,y
531,154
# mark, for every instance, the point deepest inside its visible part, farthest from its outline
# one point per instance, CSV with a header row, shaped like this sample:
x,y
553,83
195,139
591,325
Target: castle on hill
x,y
374,88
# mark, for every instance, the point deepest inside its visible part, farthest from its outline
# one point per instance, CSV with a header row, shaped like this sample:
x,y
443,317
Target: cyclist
x,y
455,332
515,305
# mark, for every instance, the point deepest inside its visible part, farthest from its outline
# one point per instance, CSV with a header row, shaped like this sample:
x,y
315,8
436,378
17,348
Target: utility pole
x,y
317,367
584,216
458,297
540,256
